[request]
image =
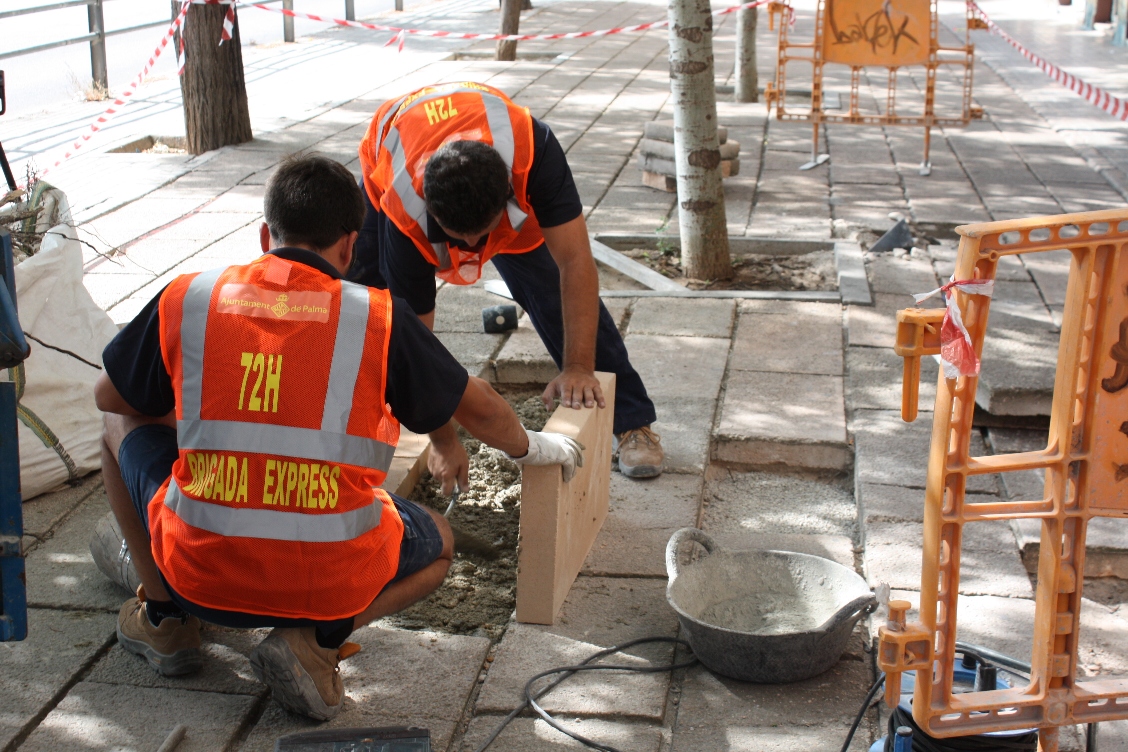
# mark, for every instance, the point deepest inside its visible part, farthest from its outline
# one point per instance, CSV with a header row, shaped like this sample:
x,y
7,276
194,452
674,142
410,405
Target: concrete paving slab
x,y
61,572
523,358
241,198
1002,624
776,504
1019,362
876,325
1050,271
459,308
880,503
59,645
875,378
711,705
668,364
900,275
781,738
989,562
534,735
1103,634
795,420
43,512
808,342
1106,546
889,451
1024,484
226,668
641,517
525,651
473,351
685,426
683,318
116,717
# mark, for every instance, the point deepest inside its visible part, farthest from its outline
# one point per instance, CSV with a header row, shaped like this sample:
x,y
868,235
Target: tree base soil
x,y
808,271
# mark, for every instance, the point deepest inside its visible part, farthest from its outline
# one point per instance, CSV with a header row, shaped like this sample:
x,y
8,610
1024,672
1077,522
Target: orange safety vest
x,y
404,134
273,506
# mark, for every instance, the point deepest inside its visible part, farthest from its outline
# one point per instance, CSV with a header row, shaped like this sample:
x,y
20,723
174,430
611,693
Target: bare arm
x,y
576,385
108,399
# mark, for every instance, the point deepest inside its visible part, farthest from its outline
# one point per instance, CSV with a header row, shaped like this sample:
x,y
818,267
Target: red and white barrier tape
x,y
124,97
957,356
400,33
1094,95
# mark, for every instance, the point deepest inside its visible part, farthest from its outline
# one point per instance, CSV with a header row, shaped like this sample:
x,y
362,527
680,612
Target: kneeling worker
x,y
252,413
456,175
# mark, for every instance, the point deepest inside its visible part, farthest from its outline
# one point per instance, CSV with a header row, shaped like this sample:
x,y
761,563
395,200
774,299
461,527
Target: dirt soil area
x,y
479,594
808,271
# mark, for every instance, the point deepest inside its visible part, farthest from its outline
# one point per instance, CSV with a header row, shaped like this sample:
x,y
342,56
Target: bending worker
x,y
456,175
252,413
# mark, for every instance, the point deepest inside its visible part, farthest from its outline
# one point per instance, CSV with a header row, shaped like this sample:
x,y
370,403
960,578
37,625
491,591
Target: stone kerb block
x,y
559,521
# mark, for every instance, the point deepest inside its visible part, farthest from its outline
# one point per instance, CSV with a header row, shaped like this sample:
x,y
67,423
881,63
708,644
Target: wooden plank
x,y
559,521
636,271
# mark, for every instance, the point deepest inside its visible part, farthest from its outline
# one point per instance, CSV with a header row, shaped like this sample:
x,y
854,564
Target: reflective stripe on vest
x,y
232,522
330,444
504,142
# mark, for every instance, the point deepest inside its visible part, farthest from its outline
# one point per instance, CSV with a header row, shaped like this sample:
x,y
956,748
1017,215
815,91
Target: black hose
x,y
922,742
862,712
588,664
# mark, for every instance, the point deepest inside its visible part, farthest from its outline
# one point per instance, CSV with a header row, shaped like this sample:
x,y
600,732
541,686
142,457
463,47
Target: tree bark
x,y
747,86
701,199
213,87
510,24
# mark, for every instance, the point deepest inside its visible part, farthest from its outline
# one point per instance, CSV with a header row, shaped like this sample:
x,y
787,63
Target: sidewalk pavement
x,y
809,390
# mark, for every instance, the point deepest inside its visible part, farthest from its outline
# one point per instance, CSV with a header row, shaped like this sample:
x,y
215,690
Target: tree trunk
x,y
747,86
510,24
701,199
214,91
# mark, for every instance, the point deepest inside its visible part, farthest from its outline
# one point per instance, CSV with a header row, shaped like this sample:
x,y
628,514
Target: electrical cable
x,y
588,664
862,712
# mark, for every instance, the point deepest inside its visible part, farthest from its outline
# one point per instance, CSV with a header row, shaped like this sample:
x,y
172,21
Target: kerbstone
x,y
399,678
534,735
642,516
776,503
61,571
989,560
875,379
808,342
796,420
58,645
683,318
892,452
107,716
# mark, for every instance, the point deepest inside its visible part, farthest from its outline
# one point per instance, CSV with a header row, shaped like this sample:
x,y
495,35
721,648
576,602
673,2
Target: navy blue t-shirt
x,y
424,383
386,257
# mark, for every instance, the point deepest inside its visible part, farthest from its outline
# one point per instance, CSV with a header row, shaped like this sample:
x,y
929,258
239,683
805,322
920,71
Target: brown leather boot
x,y
303,676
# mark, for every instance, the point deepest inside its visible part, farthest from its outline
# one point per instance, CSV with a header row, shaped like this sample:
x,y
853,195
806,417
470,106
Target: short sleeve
x,y
135,366
551,189
424,382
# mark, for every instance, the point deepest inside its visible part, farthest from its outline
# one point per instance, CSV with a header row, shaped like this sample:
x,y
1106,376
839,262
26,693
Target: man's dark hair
x,y
312,200
466,185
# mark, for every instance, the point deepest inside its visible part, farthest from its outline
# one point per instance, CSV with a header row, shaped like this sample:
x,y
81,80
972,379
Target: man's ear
x,y
264,237
343,251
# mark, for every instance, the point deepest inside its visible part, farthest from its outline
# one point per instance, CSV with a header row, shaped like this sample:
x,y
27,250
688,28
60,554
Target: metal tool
x,y
388,739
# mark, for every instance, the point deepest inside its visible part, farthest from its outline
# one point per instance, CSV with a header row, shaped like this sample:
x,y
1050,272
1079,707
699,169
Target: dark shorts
x,y
146,456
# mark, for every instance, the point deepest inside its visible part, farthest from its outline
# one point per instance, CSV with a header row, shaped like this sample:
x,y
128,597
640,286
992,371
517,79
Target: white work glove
x,y
553,449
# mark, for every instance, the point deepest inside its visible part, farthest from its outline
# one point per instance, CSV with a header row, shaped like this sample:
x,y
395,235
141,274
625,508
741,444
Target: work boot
x,y
111,555
173,648
640,453
303,676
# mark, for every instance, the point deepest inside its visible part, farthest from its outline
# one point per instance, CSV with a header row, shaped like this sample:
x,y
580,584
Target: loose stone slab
x,y
534,735
1019,353
58,645
875,326
776,503
989,561
61,571
560,520
1106,546
400,678
796,420
901,275
641,517
875,379
895,453
683,318
880,503
810,341
107,716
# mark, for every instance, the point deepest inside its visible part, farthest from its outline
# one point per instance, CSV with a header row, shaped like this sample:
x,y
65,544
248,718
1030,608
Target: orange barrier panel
x,y
1085,474
872,33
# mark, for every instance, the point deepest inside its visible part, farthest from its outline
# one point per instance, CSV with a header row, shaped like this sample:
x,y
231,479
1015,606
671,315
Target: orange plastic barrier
x,y
888,33
1085,473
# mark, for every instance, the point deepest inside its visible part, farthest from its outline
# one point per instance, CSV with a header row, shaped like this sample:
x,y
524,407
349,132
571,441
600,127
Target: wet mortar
x,y
478,595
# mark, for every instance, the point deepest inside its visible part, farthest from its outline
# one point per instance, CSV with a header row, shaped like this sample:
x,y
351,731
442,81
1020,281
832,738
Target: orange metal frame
x,y
1088,442
813,52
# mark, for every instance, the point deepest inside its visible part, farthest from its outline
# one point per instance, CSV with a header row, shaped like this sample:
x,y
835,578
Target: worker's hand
x,y
553,449
575,387
449,463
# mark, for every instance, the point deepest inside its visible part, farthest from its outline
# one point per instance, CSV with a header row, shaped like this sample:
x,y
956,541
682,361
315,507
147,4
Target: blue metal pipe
x,y
13,350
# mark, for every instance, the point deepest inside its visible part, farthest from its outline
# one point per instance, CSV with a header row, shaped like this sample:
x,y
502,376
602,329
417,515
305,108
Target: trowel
x,y
468,542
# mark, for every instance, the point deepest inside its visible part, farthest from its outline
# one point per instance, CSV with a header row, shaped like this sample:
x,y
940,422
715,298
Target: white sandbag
x,y
59,426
